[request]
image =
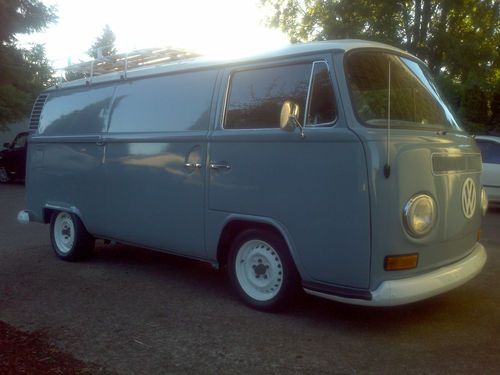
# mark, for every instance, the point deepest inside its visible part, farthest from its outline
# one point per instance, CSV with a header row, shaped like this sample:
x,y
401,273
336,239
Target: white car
x,y
490,178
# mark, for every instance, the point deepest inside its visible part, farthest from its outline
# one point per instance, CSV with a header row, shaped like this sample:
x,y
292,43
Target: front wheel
x,y
262,271
70,240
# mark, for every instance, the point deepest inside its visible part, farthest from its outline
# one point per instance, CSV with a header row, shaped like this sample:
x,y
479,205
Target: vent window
x,y
37,111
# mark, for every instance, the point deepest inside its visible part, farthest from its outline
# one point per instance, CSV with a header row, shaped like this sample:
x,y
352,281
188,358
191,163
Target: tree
x,y
24,72
27,72
105,43
103,46
458,39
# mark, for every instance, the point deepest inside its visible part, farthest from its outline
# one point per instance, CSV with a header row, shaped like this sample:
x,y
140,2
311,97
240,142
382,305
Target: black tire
x,y
261,270
70,240
4,175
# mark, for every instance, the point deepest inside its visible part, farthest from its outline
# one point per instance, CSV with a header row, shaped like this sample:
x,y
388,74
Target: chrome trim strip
x,y
147,137
308,100
308,97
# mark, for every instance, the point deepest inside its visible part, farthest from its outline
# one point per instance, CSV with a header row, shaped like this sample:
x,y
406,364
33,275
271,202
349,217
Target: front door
x,y
314,185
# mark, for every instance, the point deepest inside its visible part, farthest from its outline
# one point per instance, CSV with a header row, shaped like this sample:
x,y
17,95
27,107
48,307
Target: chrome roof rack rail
x,y
123,62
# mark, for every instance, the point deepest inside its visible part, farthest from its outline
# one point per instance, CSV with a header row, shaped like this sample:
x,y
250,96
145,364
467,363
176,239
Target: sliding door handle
x,y
220,166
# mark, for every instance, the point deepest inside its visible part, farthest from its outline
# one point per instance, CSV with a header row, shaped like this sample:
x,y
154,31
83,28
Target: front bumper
x,y
23,217
412,289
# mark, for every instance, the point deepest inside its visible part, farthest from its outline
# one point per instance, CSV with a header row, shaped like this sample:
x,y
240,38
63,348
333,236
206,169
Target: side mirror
x,y
6,145
289,117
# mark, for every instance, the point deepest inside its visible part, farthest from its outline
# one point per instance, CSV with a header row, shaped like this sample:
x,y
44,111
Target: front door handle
x,y
192,165
219,166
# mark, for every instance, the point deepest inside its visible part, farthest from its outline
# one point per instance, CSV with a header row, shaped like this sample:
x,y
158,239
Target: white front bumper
x,y
412,289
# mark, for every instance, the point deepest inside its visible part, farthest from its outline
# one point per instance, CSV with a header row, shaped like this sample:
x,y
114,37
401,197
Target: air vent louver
x,y
37,111
444,164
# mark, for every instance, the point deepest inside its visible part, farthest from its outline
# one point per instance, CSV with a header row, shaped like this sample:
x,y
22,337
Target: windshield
x,y
414,100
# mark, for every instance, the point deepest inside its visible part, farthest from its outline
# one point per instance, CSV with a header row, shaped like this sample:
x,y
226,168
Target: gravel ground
x,y
31,353
133,311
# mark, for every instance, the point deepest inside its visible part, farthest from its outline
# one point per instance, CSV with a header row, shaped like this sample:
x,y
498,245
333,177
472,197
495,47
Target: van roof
x,y
343,45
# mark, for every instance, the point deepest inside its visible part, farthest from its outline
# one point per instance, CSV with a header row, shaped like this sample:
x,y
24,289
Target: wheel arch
x,y
49,209
235,224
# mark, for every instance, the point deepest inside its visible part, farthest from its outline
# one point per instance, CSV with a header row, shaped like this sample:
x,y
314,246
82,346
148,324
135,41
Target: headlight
x,y
484,201
419,215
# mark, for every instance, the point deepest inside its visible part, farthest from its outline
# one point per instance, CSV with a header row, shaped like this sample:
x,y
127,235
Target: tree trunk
x,y
426,18
416,25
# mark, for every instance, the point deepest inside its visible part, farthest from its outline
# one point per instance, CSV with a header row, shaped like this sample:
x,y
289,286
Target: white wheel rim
x,y
259,270
64,232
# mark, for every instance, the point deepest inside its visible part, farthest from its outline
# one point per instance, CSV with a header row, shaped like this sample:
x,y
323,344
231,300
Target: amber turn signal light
x,y
400,262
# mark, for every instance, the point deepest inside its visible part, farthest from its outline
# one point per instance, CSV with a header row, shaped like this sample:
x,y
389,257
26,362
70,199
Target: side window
x,y
177,102
256,96
76,111
322,108
490,151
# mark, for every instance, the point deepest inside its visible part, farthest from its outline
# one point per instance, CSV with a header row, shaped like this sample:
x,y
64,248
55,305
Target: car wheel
x,y
4,177
70,240
262,271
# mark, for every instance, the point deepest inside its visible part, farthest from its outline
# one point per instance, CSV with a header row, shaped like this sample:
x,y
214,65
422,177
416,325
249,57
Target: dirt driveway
x,y
133,311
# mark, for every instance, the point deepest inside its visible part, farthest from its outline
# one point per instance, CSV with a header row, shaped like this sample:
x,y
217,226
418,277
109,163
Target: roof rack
x,y
123,62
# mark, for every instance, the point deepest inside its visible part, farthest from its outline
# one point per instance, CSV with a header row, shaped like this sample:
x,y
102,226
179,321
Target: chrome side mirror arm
x,y
293,123
289,117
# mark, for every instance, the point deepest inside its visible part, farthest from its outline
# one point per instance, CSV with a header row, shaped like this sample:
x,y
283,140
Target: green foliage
x,y
103,46
494,120
105,43
24,72
458,39
23,17
71,76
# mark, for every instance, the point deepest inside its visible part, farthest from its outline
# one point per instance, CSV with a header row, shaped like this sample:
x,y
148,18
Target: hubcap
x,y
64,232
259,270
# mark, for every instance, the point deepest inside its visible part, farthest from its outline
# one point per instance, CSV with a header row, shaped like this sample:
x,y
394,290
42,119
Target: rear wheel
x,y
70,240
262,271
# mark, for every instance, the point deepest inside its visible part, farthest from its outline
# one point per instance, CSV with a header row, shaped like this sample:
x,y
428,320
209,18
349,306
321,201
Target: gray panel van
x,y
335,167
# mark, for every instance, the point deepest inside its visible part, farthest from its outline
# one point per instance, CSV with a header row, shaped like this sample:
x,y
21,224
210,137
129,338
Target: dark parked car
x,y
13,159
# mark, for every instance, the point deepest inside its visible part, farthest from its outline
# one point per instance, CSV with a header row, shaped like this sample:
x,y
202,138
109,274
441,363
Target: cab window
x,y
256,96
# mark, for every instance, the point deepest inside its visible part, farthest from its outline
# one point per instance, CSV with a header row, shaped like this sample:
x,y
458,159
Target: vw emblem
x,y
469,198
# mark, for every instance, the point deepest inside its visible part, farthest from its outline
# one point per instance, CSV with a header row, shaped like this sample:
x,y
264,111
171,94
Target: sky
x,y
217,28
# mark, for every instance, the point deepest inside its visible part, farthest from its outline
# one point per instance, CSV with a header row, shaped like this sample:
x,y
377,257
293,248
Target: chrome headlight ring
x,y
419,215
484,201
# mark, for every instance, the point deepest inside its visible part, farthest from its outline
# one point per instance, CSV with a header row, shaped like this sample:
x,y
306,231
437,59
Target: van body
x,y
333,166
